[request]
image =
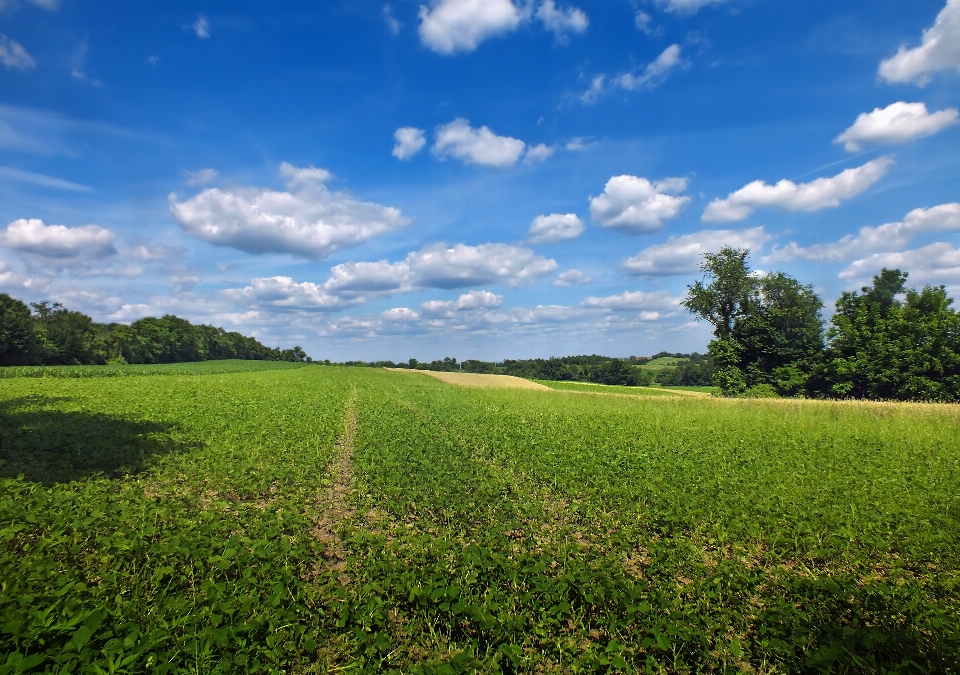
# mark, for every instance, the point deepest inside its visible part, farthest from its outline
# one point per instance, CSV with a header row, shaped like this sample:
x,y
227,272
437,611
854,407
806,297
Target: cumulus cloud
x,y
440,267
655,73
936,264
468,301
631,301
450,26
637,205
481,146
436,266
555,227
561,21
409,140
309,221
813,196
201,177
58,241
939,50
686,7
285,293
539,152
942,218
400,314
392,23
13,56
644,23
683,254
201,27
571,278
897,123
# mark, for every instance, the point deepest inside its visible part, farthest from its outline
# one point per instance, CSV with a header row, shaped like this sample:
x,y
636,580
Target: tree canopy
x,y
50,334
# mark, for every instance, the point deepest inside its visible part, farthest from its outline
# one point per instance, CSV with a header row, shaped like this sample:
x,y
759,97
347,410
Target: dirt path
x,y
334,507
478,380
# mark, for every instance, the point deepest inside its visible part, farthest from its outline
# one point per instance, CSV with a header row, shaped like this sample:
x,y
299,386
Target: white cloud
x,y
686,6
400,314
942,218
468,301
201,177
285,293
683,254
561,21
310,221
644,23
936,264
13,56
58,241
540,152
813,196
392,23
449,26
409,140
39,179
578,144
571,278
476,146
897,123
631,301
655,73
436,266
201,27
597,87
555,227
939,50
636,205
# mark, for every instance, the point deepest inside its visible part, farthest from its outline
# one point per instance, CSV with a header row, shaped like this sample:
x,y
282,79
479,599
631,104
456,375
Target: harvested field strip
x,y
478,380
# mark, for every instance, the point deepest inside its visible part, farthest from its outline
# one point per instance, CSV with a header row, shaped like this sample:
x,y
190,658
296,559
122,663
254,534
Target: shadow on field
x,y
50,446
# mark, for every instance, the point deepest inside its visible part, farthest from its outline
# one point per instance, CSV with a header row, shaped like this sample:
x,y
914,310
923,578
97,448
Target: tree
x,y
881,347
17,339
768,329
65,337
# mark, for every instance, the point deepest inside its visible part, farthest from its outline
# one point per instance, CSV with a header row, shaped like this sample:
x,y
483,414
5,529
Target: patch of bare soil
x,y
334,506
478,380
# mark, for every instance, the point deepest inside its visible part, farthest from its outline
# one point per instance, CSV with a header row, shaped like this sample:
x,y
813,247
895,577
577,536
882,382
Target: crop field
x,y
323,519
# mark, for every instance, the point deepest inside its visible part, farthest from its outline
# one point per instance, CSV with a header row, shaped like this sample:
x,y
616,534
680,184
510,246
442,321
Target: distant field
x,y
327,519
194,368
662,363
592,388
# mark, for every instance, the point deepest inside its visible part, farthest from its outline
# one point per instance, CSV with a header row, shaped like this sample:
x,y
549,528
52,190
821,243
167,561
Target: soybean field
x,y
321,519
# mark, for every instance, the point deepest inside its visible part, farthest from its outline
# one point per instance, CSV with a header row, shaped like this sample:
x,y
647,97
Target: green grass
x,y
589,387
193,368
183,524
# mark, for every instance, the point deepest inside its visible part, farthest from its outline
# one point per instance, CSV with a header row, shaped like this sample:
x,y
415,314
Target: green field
x,y
325,519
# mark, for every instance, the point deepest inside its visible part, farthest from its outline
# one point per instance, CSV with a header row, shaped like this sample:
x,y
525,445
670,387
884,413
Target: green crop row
x,y
214,524
193,368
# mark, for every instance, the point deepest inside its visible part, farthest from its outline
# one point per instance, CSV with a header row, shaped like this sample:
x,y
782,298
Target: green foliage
x,y
769,333
124,370
53,335
884,348
17,339
173,528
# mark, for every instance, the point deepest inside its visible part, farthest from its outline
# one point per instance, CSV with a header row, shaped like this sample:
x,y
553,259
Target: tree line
x,y
696,370
46,333
887,341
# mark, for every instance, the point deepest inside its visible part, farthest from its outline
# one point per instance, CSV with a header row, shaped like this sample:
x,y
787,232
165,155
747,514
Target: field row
x,y
319,518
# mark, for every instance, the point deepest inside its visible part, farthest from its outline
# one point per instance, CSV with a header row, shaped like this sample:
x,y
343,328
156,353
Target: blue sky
x,y
470,178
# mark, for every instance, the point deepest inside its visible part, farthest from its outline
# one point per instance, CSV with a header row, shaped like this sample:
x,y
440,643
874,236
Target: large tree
x,y
17,339
768,328
885,347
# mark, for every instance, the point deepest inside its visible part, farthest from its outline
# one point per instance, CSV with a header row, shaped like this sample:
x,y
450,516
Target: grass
x,y
591,388
327,519
193,368
662,363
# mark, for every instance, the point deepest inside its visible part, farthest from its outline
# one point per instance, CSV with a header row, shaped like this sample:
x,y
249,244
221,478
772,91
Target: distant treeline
x,y
49,335
696,371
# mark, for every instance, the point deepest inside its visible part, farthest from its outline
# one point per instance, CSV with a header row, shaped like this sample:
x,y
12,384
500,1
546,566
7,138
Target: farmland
x,y
319,518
